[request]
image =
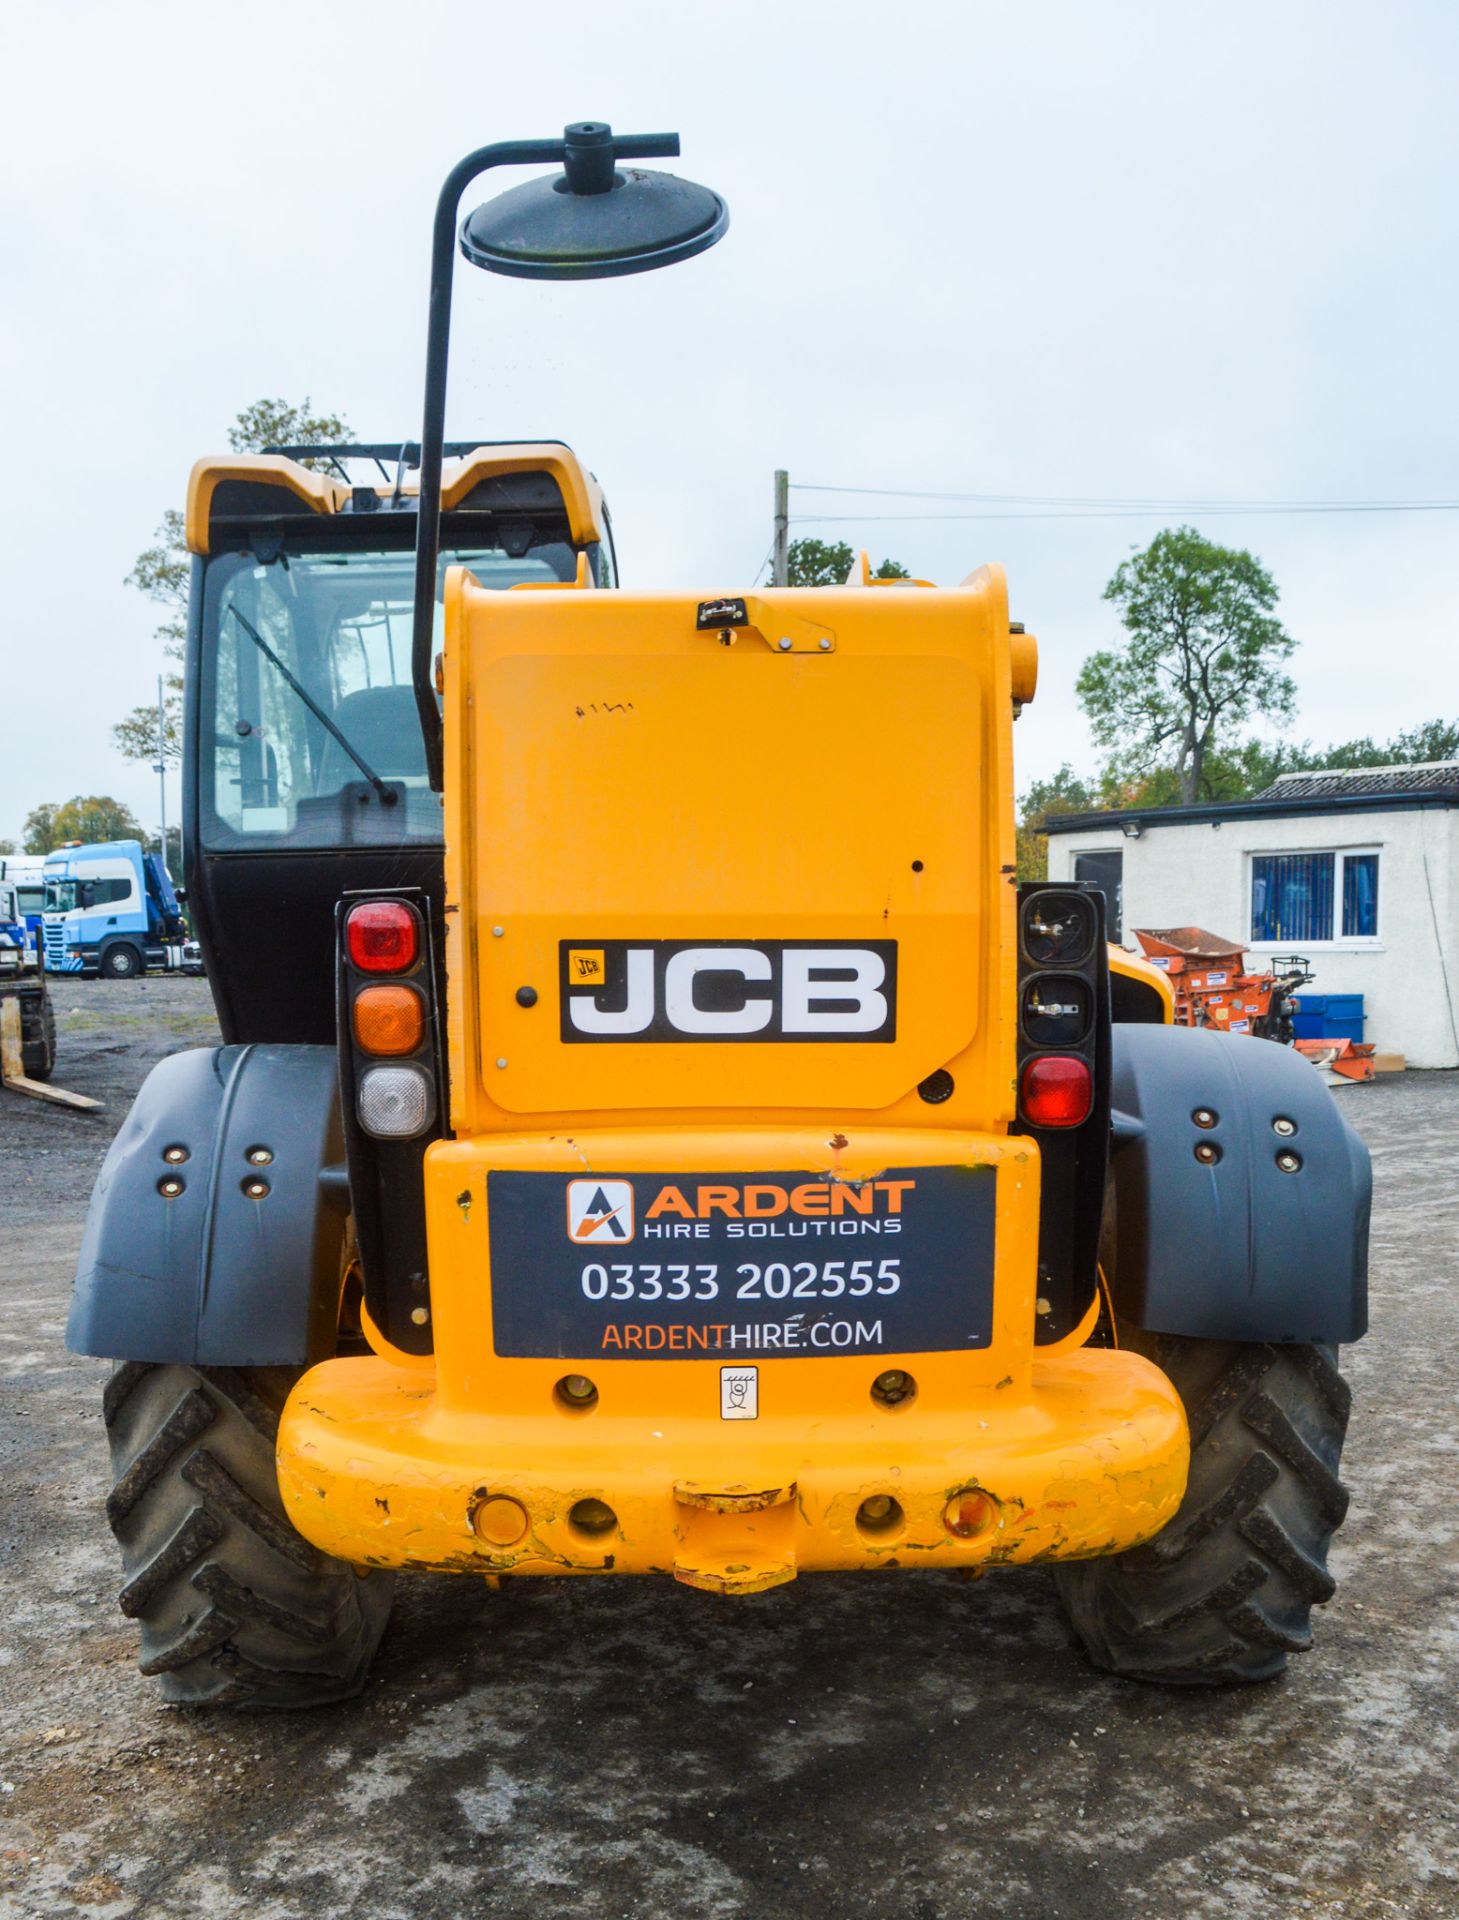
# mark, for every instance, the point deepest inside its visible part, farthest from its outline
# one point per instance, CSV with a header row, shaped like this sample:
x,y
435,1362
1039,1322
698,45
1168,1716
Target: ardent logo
x,y
816,1199
776,990
600,1212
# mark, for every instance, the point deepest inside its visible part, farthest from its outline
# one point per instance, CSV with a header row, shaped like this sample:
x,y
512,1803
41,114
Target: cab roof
x,y
511,481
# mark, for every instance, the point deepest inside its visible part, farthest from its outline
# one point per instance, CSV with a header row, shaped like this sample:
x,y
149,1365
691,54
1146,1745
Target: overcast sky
x,y
1124,251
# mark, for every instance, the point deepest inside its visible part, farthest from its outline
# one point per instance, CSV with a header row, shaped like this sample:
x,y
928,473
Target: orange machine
x,y
1213,986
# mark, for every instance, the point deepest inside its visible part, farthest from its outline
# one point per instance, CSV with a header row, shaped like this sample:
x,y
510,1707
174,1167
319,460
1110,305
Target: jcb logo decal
x,y
777,990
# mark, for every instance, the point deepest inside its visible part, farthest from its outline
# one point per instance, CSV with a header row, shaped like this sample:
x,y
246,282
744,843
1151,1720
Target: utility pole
x,y
161,768
780,574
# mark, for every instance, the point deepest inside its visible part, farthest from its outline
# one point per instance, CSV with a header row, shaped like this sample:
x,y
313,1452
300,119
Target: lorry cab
x,y
13,946
26,874
110,909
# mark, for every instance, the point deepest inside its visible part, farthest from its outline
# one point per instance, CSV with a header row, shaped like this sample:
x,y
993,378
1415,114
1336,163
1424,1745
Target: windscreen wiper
x,y
388,795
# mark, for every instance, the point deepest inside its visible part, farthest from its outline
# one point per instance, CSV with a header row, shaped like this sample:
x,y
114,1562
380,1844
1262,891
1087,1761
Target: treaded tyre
x,y
236,1608
1225,1592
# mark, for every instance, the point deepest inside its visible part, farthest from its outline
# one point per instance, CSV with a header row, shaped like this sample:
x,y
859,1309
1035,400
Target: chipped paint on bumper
x,y
1089,1459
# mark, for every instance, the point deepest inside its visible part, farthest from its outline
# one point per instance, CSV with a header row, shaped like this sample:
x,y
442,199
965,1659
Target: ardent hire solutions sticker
x,y
735,1266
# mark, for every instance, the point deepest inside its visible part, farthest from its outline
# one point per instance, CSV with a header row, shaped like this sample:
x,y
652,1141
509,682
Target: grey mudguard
x,y
213,1275
1239,1249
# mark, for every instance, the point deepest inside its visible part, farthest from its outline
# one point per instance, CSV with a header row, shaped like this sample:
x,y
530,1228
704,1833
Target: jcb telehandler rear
x,y
655,1133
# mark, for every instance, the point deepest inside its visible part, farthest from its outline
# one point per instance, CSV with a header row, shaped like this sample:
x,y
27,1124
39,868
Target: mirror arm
x,y
582,149
504,153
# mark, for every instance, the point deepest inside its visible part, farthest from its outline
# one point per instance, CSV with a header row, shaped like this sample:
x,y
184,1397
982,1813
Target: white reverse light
x,y
396,1103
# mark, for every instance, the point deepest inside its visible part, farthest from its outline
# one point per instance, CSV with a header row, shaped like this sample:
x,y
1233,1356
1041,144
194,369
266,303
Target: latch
x,y
782,630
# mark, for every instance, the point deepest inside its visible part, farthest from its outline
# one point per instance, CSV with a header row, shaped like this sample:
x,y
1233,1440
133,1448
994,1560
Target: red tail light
x,y
382,936
1055,1091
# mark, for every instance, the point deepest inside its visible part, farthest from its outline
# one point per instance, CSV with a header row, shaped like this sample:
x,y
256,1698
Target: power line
x,y
1128,513
1143,502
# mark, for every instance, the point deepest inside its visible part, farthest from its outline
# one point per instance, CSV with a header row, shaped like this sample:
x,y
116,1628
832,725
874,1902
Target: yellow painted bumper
x,y
1090,1458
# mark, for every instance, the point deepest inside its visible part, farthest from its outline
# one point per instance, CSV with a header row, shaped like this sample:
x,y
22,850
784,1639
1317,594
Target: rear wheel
x,y
1225,1592
235,1607
121,962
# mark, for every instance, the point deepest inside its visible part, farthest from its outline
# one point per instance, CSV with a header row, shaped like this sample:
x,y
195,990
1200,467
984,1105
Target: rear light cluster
x,y
1059,936
387,987
1064,1090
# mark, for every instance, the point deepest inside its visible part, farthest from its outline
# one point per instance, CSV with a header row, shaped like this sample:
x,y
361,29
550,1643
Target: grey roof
x,y
1429,776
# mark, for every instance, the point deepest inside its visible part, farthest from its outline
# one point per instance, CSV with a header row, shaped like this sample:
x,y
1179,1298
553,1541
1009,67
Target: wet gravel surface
x,y
915,1746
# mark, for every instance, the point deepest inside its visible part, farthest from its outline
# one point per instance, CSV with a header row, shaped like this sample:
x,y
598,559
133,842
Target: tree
x,y
39,835
163,571
87,817
274,423
1433,740
1414,746
1203,655
7,846
817,563
1067,792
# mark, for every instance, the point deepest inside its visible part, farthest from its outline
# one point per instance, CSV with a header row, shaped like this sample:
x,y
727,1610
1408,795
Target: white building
x,y
1358,871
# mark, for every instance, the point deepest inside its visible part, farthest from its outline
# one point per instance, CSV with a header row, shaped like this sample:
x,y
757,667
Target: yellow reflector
x,y
389,1019
500,1521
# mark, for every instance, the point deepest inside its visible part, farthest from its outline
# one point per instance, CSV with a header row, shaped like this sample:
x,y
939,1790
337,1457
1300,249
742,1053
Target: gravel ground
x,y
917,1746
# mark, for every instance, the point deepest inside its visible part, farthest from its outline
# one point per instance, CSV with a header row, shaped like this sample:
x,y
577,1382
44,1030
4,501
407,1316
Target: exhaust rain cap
x,y
595,219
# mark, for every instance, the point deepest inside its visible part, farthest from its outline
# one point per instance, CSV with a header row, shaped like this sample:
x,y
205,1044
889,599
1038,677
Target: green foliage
x,y
821,563
7,846
161,572
38,835
1202,656
1414,746
1236,772
274,423
164,570
136,736
87,817
1066,792
1433,740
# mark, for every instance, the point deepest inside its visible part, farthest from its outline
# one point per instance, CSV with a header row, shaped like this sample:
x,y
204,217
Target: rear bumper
x,y
1090,1458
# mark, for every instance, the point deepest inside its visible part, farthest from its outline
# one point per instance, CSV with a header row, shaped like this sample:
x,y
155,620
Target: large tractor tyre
x,y
122,962
236,1608
1225,1592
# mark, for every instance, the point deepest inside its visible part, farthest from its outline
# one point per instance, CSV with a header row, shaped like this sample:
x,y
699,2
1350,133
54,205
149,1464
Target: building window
x,y
1304,898
1360,896
1107,872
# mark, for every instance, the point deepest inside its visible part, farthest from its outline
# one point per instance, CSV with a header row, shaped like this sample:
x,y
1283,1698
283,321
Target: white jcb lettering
x,y
811,1003
751,1016
635,1016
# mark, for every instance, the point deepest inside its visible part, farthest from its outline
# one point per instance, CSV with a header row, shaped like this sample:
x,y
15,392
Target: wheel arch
x,y
214,1274
1235,1248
